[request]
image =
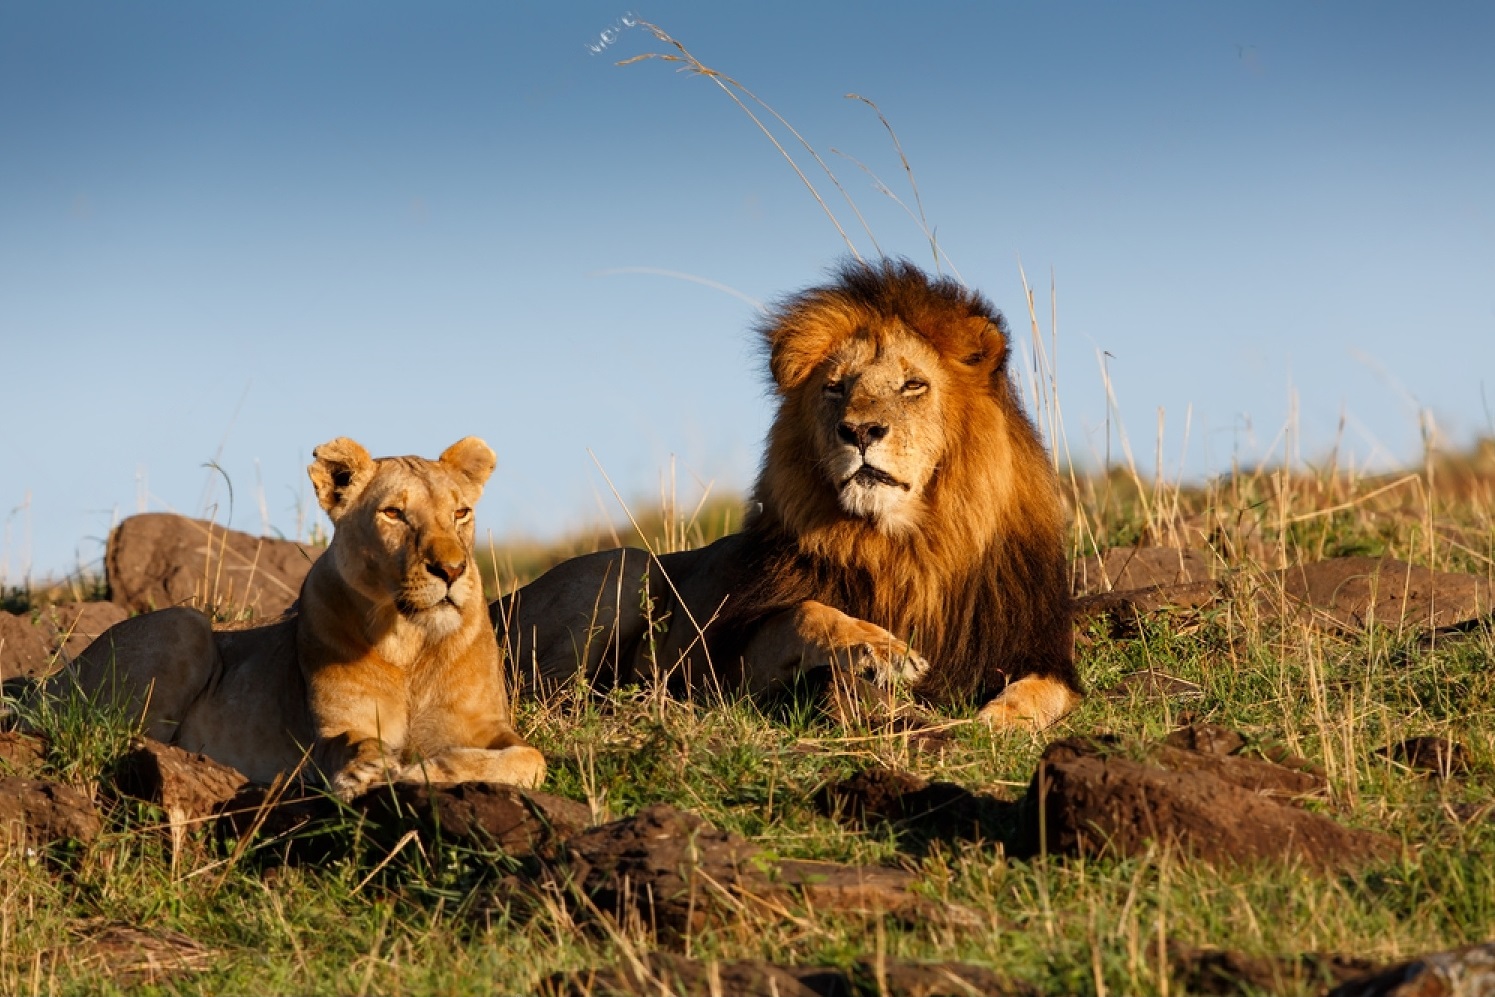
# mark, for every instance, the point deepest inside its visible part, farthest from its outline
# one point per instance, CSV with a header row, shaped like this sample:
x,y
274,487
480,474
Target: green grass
x,y
438,919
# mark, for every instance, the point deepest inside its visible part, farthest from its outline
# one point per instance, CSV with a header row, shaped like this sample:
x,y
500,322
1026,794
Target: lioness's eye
x,y
463,513
914,386
392,513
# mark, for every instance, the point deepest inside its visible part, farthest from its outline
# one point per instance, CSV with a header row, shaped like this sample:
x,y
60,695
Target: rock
x,y
917,807
190,788
1151,685
1465,972
1126,610
1230,535
479,815
671,870
1223,973
130,956
21,754
69,627
1437,756
1122,569
158,559
1349,594
1088,797
36,813
1209,739
23,649
476,815
664,973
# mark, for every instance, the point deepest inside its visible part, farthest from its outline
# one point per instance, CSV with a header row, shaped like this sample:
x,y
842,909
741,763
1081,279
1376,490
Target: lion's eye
x,y
835,388
393,513
464,514
914,386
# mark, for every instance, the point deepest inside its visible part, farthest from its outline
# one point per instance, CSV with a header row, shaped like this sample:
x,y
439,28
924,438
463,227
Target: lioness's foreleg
x,y
814,635
152,666
518,765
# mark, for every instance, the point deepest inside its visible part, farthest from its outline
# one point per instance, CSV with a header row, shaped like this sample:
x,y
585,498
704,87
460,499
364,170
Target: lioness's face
x,y
878,428
404,527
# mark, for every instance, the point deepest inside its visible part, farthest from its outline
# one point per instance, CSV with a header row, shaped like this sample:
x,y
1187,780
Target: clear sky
x,y
232,231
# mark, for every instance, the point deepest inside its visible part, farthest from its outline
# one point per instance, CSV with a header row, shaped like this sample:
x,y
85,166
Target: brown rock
x,y
21,754
1228,534
673,871
23,649
1087,798
479,815
919,808
1348,594
664,973
157,559
1465,972
131,956
1127,609
69,627
1151,685
189,788
37,813
1223,973
1209,739
1437,756
1122,569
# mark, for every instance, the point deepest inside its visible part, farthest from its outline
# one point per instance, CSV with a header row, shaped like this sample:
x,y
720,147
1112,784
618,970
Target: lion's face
x,y
404,527
889,384
878,424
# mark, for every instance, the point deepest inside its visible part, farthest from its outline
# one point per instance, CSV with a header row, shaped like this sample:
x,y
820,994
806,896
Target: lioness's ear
x,y
339,472
471,458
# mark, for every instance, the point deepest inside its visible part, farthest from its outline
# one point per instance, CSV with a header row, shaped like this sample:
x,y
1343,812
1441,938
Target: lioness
x,y
907,524
387,666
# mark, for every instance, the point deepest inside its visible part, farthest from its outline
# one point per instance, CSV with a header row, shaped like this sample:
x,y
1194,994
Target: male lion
x,y
386,667
907,525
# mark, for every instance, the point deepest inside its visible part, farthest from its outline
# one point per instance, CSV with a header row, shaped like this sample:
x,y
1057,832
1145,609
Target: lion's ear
x,y
801,340
340,470
984,345
471,458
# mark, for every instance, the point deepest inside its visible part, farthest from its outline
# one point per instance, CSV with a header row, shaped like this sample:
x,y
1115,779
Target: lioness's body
x,y
907,523
386,667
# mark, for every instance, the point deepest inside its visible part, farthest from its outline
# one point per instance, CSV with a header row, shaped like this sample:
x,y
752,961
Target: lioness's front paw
x,y
358,775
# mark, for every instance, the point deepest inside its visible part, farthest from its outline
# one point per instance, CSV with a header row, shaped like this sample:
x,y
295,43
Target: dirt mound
x,y
663,973
1093,796
157,559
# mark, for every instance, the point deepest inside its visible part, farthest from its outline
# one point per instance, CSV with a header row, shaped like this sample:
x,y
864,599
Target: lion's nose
x,y
861,434
447,571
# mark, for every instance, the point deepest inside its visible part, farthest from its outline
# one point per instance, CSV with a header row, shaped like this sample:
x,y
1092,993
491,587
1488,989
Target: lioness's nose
x,y
862,434
447,571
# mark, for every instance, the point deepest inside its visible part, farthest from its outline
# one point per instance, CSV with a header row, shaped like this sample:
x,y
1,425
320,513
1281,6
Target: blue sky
x,y
229,232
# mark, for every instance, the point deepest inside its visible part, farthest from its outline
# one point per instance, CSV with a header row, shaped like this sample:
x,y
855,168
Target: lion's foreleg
x,y
813,635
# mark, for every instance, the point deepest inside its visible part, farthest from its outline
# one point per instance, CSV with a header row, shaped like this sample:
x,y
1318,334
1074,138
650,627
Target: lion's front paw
x,y
1031,703
888,662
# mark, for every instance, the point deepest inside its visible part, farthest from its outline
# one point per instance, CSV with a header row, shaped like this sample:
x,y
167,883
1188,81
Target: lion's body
x,y
386,667
907,521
